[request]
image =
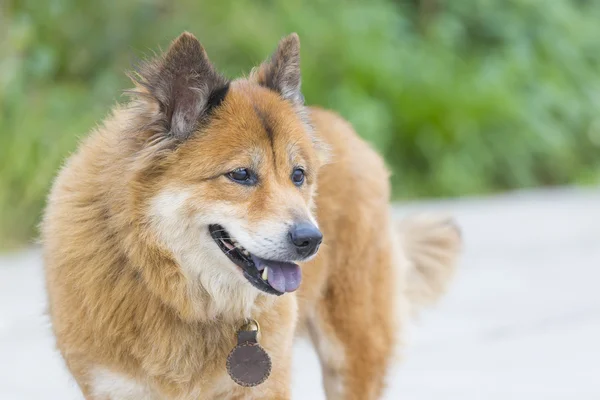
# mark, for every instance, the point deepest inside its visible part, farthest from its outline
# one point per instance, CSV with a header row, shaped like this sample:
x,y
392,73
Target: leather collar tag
x,y
248,364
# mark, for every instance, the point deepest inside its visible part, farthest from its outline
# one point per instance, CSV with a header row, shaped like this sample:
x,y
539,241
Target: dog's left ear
x,y
281,73
180,88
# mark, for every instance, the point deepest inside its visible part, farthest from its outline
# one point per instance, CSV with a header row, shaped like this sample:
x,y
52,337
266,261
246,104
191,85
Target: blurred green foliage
x,y
461,97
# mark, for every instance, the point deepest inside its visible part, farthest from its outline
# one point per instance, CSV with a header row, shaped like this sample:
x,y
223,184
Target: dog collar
x,y
248,364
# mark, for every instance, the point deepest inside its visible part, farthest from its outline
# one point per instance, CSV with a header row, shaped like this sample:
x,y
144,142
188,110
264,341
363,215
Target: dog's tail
x,y
431,245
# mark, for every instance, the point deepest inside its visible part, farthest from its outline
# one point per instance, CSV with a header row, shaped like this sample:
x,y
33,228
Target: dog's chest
x,y
185,364
116,386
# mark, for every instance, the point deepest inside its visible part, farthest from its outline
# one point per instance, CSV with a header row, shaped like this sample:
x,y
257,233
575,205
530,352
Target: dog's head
x,y
230,168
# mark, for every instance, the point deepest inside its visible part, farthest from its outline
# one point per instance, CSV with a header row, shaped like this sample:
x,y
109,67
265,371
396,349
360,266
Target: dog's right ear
x,y
281,72
180,87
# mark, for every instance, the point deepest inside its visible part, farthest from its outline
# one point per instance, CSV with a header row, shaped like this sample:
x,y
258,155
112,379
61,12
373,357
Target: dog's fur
x,y
144,305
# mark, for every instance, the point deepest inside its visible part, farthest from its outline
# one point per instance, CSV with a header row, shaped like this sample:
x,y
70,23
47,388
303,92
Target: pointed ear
x,y
183,84
281,72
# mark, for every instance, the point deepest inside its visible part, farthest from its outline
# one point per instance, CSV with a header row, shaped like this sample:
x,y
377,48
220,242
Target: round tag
x,y
248,364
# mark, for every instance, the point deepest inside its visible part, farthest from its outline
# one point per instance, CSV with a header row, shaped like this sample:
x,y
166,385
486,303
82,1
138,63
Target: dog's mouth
x,y
273,277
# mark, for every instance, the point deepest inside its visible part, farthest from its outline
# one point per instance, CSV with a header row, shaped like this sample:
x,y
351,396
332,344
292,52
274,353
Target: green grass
x,y
45,127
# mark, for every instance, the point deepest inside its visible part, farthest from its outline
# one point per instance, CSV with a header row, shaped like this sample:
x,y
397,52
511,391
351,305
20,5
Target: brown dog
x,y
183,216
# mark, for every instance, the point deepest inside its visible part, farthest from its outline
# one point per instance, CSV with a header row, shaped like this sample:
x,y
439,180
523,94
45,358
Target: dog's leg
x,y
279,383
354,325
331,354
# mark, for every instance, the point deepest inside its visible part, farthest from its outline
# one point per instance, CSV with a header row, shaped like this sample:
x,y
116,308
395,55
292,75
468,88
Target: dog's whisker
x,y
234,248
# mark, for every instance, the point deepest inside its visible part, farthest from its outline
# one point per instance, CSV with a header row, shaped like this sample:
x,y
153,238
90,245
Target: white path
x,y
522,320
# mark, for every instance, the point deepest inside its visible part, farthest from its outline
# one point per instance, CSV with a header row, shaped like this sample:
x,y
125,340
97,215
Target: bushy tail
x,y
432,244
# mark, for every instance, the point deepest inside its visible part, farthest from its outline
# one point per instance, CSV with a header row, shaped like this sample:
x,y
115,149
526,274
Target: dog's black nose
x,y
306,238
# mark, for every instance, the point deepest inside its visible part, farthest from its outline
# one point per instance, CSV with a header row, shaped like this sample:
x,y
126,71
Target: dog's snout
x,y
306,238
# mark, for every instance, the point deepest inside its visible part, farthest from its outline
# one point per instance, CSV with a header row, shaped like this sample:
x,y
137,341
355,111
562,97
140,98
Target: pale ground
x,y
521,321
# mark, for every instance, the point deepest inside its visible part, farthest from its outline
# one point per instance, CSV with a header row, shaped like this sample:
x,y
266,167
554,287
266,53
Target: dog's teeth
x,y
265,274
245,252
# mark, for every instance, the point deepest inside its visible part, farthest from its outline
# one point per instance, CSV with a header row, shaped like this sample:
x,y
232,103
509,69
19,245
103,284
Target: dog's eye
x,y
243,176
298,176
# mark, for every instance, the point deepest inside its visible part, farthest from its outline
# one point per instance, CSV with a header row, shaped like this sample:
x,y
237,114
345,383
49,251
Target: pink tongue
x,y
282,276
